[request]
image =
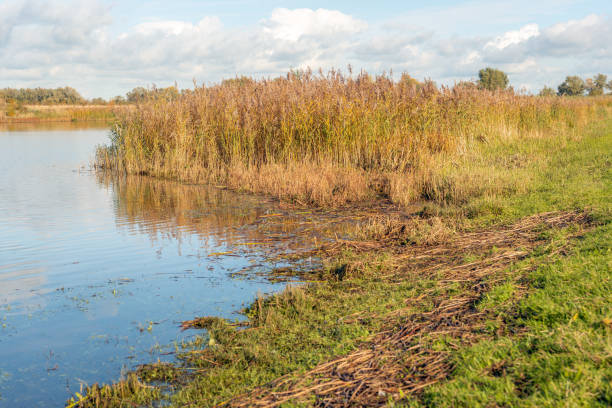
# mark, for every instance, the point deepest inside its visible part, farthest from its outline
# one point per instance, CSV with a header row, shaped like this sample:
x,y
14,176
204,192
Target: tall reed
x,y
331,139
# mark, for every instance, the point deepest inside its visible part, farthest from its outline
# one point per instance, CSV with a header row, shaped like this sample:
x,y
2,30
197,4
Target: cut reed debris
x,y
400,360
332,140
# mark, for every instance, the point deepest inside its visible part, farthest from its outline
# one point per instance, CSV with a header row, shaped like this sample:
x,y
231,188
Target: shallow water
x,y
97,273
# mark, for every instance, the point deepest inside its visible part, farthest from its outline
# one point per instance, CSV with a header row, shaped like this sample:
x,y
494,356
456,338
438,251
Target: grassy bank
x,y
335,140
500,298
60,113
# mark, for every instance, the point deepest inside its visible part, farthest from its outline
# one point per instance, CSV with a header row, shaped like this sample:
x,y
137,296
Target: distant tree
x,y
596,86
572,86
38,96
237,81
140,94
170,93
410,81
492,79
118,100
547,91
591,89
466,85
98,101
137,95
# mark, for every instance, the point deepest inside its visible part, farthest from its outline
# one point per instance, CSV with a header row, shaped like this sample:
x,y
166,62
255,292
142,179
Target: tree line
x,y
42,96
576,86
488,78
494,79
141,94
70,96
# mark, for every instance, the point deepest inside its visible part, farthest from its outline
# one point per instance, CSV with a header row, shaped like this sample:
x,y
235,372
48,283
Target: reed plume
x,y
332,139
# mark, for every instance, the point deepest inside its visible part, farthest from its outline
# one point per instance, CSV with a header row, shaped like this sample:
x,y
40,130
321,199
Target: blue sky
x,y
105,48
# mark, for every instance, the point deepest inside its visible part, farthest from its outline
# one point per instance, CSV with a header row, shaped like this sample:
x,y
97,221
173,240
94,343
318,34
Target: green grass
x,y
552,346
564,356
573,175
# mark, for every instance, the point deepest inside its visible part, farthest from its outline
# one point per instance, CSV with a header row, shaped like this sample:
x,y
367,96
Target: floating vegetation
x,y
209,322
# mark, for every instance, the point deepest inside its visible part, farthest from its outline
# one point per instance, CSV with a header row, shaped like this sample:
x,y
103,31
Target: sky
x,y
107,47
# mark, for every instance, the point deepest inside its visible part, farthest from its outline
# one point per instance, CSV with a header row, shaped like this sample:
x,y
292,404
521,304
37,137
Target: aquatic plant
x,y
502,300
334,139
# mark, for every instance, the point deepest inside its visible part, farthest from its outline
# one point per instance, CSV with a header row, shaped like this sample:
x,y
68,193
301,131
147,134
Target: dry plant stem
x,y
398,361
330,140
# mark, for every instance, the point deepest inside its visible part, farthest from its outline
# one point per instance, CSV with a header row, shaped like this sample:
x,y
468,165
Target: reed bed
x,y
62,113
333,139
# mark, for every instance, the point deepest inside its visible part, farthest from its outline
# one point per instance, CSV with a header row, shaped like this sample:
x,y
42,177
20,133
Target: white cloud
x,y
291,25
60,21
55,43
515,37
176,28
591,34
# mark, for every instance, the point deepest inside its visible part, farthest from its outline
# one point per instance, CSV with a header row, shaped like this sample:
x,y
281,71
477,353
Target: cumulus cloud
x,y
55,43
592,34
53,22
514,37
291,25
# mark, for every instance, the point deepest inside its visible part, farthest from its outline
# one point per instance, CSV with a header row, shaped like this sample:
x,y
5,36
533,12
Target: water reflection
x,y
90,262
53,126
19,282
169,210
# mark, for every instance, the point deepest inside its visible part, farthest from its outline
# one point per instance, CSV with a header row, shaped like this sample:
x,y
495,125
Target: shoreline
x,y
63,113
49,120
455,306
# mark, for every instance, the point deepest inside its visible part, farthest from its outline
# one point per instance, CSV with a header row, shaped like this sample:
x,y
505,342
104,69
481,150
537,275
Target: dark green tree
x,y
492,79
572,86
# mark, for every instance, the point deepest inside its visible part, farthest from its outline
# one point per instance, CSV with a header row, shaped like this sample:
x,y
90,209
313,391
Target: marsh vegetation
x,y
480,276
331,140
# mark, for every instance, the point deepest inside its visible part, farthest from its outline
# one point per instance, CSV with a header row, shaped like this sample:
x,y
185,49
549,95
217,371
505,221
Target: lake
x,y
97,272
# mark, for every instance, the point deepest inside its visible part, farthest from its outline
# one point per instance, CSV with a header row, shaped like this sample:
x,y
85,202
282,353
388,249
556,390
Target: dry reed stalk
x,y
331,139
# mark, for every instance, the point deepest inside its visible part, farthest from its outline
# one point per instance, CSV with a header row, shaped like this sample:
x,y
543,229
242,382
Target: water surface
x,y
97,272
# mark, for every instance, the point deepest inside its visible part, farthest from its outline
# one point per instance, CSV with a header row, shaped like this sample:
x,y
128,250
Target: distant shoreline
x,y
48,120
63,113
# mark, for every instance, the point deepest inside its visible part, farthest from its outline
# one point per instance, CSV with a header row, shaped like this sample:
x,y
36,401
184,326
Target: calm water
x,y
96,273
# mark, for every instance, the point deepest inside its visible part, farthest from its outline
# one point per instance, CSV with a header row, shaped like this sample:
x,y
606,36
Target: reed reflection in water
x,y
220,219
97,272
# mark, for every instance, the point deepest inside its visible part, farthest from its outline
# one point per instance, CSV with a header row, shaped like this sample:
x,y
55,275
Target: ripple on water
x,y
97,272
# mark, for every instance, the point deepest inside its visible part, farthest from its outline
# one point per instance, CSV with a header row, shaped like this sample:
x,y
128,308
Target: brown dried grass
x,y
334,140
399,360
